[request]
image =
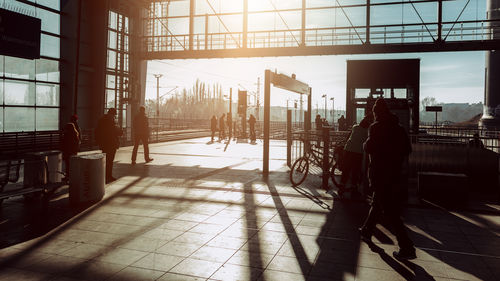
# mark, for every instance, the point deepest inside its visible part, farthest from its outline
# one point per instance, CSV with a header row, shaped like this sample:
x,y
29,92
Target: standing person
x,y
229,126
387,145
319,129
74,121
213,126
108,138
342,123
222,133
353,157
251,123
70,145
141,133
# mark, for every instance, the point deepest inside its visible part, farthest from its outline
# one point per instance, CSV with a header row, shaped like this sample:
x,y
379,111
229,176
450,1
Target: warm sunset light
x,y
253,140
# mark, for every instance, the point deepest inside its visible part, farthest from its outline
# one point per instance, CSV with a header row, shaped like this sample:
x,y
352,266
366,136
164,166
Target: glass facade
x,y
29,89
117,65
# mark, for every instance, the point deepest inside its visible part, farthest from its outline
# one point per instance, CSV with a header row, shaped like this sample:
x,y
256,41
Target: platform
x,y
202,211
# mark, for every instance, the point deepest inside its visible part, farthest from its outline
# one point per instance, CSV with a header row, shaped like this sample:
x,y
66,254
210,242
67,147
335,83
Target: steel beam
x,y
493,44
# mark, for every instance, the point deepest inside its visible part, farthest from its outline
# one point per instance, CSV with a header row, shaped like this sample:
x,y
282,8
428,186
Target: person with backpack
x,y
108,138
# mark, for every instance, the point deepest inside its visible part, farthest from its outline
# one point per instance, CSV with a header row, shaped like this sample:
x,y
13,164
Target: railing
x,y
314,37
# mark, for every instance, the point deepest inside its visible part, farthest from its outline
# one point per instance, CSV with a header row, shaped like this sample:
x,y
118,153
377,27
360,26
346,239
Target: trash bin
x,y
42,167
86,178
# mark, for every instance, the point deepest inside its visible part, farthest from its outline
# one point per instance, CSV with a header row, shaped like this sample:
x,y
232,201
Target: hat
x,y
74,117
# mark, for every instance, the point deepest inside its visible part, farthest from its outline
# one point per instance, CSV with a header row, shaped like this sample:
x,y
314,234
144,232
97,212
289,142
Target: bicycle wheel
x,y
299,171
335,174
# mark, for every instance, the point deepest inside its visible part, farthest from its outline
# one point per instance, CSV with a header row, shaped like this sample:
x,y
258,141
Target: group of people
x,y
107,137
387,145
221,125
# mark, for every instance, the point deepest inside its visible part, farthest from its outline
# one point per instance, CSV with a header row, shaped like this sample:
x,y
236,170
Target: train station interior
x,y
242,182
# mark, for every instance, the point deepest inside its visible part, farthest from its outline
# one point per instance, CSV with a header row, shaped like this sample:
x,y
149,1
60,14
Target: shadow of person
x,y
402,267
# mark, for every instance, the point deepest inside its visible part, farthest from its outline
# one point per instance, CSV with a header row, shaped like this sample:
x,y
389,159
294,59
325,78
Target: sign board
x,y
433,108
19,35
284,82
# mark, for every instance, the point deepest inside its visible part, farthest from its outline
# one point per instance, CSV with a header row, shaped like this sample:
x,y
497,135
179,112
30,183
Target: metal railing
x,y
474,30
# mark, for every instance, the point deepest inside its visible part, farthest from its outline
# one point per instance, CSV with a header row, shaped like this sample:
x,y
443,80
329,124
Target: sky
x,y
451,77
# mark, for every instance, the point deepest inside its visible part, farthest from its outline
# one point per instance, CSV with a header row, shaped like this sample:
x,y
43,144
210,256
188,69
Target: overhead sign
x,y
433,108
19,35
288,83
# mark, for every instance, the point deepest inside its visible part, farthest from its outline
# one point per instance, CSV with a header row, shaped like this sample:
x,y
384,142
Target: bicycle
x,y
300,167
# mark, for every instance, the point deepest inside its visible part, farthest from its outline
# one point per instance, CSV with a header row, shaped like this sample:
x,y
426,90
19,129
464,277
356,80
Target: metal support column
x,y
206,31
303,25
367,40
267,117
326,158
440,21
245,24
192,10
289,138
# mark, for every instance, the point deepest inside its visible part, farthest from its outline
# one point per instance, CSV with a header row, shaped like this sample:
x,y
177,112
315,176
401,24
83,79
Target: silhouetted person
x,y
353,156
74,121
141,133
387,145
213,126
108,138
222,133
342,123
476,141
319,123
70,145
229,125
251,123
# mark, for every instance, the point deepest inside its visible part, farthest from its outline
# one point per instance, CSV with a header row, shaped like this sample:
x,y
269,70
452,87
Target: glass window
x,y
1,91
110,81
54,4
47,119
112,20
47,70
1,65
19,68
19,92
112,40
361,93
47,94
19,119
110,98
49,46
50,21
1,119
400,93
111,59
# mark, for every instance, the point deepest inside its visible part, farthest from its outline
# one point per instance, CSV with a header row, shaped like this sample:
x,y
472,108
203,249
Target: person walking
x,y
213,126
222,133
108,138
353,157
387,146
251,123
141,133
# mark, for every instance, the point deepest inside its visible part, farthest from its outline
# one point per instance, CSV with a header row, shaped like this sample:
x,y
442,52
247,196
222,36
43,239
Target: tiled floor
x,y
202,211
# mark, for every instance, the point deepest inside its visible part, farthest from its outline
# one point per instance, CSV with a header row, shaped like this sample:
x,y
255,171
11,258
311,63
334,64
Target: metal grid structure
x,y
235,28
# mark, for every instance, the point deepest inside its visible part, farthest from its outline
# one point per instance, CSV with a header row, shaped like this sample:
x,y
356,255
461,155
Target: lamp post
x,y
157,76
333,110
324,96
